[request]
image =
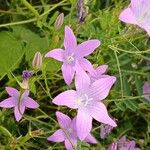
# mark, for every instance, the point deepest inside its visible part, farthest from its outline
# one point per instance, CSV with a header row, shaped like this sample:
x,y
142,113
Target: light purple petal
x,y
57,54
99,112
25,94
135,4
146,90
67,98
30,103
112,146
86,65
58,136
18,113
128,16
86,48
8,103
146,27
84,124
63,120
100,88
68,73
68,145
69,40
82,80
90,139
12,91
101,69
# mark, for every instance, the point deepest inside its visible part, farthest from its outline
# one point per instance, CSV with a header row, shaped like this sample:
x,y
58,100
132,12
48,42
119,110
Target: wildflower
x,y
105,130
146,90
86,100
67,133
37,61
26,74
73,53
137,13
18,101
123,144
59,21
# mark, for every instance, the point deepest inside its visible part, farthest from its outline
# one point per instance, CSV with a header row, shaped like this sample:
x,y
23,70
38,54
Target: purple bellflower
x,y
137,13
123,144
105,130
73,53
19,102
86,100
67,133
146,90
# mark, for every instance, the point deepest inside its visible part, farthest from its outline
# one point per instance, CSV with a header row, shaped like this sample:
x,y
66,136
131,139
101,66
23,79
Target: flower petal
x,y
12,91
67,98
146,27
82,80
69,40
63,120
101,69
128,16
100,88
18,113
68,145
30,103
57,54
58,136
86,65
68,73
99,112
90,139
8,103
84,124
146,90
86,48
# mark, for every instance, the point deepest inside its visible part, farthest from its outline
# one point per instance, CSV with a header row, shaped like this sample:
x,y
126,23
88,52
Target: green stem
x,y
33,19
30,7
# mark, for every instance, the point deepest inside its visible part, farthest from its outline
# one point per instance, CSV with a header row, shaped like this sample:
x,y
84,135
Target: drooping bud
x,y
37,61
59,21
25,83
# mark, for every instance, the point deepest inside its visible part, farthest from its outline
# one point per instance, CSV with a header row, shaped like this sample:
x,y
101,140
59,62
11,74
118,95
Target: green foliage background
x,y
125,48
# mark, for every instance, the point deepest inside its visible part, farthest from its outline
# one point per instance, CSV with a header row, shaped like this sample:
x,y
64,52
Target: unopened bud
x,y
59,21
37,61
25,84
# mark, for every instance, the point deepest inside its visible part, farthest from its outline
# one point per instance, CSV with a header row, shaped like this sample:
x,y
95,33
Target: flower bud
x,y
25,84
59,21
37,61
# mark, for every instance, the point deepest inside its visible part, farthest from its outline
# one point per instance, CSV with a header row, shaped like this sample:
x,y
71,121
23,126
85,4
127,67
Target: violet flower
x,y
86,100
67,133
146,90
105,130
137,13
73,53
123,144
19,102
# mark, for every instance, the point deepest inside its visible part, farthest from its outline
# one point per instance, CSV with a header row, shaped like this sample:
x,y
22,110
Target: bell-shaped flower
x,y
137,13
86,99
67,133
73,53
19,102
146,90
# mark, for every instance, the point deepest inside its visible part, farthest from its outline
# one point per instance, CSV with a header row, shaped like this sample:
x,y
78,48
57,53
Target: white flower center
x,y
70,58
83,100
